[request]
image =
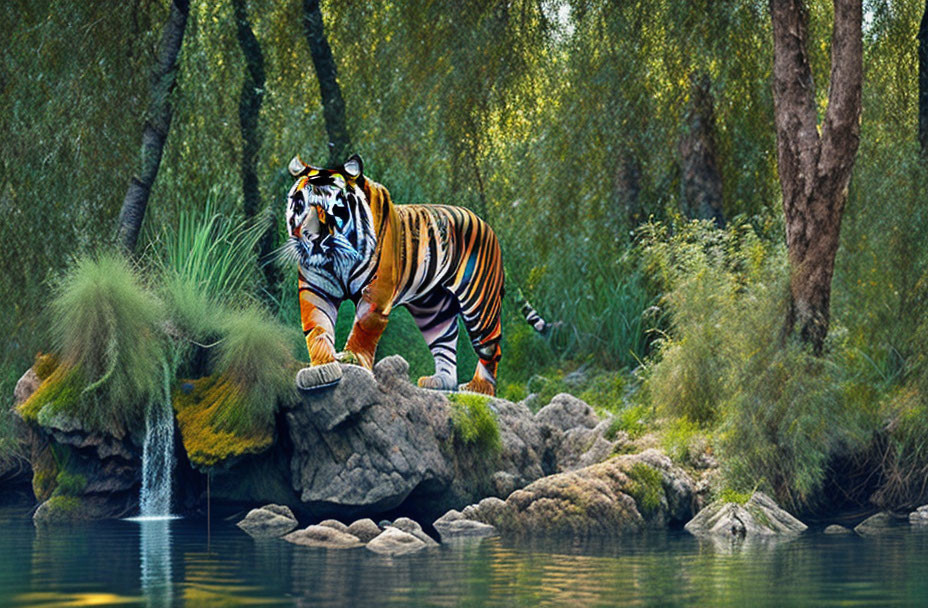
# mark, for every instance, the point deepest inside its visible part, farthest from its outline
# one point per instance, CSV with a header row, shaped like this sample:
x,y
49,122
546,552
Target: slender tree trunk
x,y
333,106
923,82
814,169
157,125
249,109
702,181
626,188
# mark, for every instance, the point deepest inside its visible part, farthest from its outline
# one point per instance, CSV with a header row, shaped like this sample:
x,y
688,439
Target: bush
x,y
778,413
110,346
646,487
474,422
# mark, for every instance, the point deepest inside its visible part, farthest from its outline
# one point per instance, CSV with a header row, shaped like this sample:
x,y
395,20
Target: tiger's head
x,y
328,216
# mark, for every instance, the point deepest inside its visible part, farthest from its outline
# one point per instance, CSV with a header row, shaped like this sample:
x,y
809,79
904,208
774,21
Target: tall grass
x,y
204,261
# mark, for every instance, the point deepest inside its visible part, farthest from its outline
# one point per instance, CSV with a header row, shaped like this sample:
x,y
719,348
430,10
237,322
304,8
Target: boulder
x,y
760,516
876,524
269,521
27,384
375,443
365,529
624,494
411,527
335,525
325,537
919,517
394,541
837,529
453,526
566,412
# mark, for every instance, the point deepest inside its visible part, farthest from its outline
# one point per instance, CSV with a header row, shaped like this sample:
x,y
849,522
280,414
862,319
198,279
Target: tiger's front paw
x,y
318,376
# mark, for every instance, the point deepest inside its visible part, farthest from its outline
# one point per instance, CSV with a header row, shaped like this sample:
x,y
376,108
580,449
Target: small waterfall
x,y
157,460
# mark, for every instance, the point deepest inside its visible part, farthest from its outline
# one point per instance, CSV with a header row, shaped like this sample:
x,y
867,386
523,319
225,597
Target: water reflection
x,y
155,561
161,563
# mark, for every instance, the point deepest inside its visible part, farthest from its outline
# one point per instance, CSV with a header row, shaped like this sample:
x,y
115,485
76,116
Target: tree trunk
x,y
333,106
157,125
626,188
702,181
249,109
923,82
814,169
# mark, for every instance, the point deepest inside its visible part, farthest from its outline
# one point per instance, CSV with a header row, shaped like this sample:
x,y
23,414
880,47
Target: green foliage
x,y
646,487
634,420
474,421
682,440
724,293
107,329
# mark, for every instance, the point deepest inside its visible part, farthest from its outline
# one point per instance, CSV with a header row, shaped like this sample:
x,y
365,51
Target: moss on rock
x,y
646,487
200,406
60,391
474,422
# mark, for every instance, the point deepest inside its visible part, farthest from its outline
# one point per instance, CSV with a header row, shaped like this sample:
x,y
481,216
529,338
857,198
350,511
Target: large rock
x,y
269,521
394,541
411,527
325,537
624,494
878,523
760,516
365,529
919,517
375,443
453,526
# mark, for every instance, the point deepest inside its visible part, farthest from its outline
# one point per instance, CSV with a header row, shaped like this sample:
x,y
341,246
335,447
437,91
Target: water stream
x,y
157,461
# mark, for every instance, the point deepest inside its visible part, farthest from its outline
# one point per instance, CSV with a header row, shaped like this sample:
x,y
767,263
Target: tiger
x,y
351,242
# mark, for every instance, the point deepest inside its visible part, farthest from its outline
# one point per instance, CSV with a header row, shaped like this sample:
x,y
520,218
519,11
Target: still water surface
x,y
169,563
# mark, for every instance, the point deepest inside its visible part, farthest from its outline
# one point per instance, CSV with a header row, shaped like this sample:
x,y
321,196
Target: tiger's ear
x,y
296,166
354,166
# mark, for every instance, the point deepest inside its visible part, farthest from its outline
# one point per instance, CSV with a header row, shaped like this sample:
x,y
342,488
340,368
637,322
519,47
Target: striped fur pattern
x,y
351,242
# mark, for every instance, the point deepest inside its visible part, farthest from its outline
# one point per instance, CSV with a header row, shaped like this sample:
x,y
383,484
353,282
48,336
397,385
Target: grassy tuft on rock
x,y
474,422
110,346
646,487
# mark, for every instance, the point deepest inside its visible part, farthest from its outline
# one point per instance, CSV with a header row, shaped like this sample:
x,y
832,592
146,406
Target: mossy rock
x,y
200,405
646,488
61,509
59,391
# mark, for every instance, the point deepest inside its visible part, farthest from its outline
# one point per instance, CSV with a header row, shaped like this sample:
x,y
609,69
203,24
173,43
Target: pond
x,y
163,563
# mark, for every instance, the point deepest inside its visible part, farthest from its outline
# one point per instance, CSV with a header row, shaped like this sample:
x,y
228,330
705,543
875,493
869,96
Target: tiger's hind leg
x,y
436,316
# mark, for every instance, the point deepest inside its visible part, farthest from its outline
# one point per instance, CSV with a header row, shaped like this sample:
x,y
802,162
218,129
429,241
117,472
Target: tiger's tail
x,y
534,319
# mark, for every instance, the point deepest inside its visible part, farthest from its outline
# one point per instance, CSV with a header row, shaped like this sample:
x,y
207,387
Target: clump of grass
x,y
646,487
109,344
729,495
473,421
254,356
231,412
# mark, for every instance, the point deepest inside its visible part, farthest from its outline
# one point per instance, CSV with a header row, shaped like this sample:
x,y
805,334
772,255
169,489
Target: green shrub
x,y
634,420
682,440
110,345
474,422
731,496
